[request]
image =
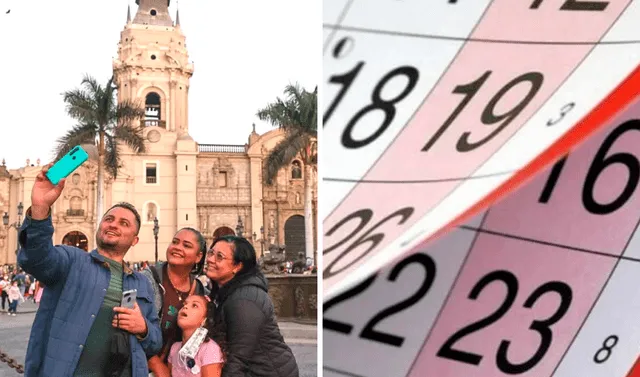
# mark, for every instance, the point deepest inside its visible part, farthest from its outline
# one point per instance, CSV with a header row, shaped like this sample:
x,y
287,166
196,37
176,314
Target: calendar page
x,y
481,169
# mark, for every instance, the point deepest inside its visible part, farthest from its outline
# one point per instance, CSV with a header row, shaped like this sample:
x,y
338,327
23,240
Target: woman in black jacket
x,y
255,346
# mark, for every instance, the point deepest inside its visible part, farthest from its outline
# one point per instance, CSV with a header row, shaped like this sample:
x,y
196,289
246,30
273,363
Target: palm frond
x,y
90,84
79,134
297,111
80,105
112,161
277,113
131,136
283,153
127,112
107,103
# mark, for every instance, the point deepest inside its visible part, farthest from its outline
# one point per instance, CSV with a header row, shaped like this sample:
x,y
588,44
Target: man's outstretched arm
x,y
37,254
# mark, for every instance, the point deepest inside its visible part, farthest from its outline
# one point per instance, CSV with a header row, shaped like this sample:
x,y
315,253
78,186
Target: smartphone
x,y
67,164
129,298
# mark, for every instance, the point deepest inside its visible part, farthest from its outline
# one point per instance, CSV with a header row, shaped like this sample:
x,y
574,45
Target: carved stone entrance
x,y
77,239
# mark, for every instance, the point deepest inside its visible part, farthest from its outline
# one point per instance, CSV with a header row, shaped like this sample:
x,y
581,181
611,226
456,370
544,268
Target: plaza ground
x,y
14,336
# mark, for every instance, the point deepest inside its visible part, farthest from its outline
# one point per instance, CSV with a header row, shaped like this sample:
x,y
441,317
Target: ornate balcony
x,y
153,123
221,148
75,212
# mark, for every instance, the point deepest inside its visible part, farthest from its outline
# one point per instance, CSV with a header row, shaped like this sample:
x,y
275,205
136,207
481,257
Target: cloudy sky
x,y
244,51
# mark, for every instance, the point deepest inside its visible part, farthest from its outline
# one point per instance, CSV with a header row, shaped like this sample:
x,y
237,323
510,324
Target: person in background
x,y
5,283
39,291
80,329
20,277
14,297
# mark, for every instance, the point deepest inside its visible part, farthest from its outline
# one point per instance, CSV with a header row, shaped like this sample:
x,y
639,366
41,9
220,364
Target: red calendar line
x,y
635,370
619,99
337,27
469,178
378,168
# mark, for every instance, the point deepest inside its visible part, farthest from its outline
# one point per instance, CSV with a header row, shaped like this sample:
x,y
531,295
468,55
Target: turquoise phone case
x,y
67,164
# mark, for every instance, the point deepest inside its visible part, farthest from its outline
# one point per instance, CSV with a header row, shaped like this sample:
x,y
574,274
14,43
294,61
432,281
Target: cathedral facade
x,y
214,188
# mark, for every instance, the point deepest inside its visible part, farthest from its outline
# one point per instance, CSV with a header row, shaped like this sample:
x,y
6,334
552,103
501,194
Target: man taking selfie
x,y
80,328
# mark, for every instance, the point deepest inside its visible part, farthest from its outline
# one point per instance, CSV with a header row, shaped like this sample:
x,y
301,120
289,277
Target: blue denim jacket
x,y
76,283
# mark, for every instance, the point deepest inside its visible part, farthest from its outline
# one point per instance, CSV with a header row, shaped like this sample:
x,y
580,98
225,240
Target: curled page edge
x,y
612,104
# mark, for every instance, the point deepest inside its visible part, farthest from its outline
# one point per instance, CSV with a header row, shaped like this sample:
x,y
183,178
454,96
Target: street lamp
x,y
16,225
239,227
156,229
262,240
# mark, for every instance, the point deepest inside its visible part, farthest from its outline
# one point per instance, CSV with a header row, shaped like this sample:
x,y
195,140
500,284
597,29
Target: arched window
x,y
152,109
152,211
296,170
75,207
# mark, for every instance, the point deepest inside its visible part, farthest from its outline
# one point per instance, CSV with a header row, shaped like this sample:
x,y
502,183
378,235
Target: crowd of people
x,y
16,287
178,324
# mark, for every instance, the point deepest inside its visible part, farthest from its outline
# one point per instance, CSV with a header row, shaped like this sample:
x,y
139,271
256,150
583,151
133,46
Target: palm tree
x,y
102,120
297,115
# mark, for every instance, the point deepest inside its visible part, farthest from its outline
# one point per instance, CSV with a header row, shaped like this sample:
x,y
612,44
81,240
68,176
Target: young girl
x,y
209,359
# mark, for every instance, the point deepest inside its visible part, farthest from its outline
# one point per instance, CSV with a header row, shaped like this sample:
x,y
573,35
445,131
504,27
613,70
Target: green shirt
x,y
95,354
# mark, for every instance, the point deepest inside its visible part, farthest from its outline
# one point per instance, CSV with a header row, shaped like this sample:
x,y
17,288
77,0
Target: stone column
x,y
255,171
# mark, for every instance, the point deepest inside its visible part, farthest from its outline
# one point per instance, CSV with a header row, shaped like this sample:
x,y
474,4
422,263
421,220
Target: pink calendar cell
x,y
549,20
372,218
487,94
590,200
513,311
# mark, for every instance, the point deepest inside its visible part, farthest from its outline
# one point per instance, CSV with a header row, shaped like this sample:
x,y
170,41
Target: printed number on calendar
x,y
600,162
541,326
372,240
369,332
388,106
488,116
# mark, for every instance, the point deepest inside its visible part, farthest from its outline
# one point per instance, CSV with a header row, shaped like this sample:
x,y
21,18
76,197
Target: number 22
x,y
369,332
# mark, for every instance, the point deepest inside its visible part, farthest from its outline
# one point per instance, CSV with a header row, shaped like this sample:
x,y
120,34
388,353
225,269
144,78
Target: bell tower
x,y
153,66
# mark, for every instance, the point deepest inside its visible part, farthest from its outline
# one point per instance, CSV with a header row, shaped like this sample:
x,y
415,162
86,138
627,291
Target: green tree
x,y
297,115
102,120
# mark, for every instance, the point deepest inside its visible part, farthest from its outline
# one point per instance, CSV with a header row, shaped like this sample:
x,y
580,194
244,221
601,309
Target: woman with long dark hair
x,y
255,346
173,281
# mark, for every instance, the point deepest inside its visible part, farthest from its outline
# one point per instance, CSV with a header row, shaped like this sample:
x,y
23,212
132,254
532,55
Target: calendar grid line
x,y
446,300
417,109
343,372
495,152
587,321
453,179
480,40
343,14
547,243
569,74
595,302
